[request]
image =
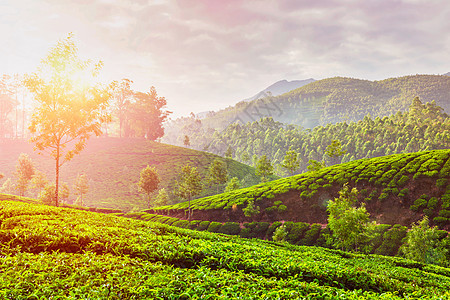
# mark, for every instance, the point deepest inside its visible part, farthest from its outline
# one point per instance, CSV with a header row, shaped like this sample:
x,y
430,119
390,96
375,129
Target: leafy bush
x,y
296,232
214,227
280,234
203,225
272,228
311,235
282,208
181,223
392,240
231,228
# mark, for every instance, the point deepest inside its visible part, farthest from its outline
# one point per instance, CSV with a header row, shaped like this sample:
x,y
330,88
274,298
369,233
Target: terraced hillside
x,y
397,189
57,253
113,166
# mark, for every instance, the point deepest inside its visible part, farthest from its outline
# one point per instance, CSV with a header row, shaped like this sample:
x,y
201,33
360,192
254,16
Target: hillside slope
x,y
49,252
324,101
113,166
397,189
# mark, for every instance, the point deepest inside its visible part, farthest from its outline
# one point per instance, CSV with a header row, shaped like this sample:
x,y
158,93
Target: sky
x,y
205,55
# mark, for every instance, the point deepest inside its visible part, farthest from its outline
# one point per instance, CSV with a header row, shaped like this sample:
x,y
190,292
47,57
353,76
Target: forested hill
x,y
397,189
324,101
113,166
423,127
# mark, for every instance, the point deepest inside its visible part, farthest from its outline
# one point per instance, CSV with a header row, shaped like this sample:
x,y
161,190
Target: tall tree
x,y
350,225
217,173
162,198
148,113
70,104
24,172
422,243
123,95
264,168
233,184
334,151
38,182
291,161
186,141
189,185
81,187
149,182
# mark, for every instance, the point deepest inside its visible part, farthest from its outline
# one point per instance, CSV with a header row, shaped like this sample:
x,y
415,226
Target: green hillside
x,y
57,253
322,102
397,189
422,127
113,166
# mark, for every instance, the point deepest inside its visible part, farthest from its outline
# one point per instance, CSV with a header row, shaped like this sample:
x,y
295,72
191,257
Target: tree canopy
x,y
70,103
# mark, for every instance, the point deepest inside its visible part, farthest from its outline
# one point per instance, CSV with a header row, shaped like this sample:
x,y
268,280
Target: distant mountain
x,y
281,87
330,100
447,74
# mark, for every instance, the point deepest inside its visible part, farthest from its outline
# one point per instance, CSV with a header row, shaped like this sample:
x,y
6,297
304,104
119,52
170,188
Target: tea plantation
x,y
399,188
61,253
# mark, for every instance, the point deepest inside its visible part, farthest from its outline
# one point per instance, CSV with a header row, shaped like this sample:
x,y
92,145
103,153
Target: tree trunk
x,y
57,174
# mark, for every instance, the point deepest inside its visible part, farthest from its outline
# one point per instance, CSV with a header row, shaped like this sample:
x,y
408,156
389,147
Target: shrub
x,y
296,232
311,235
181,223
272,228
214,227
231,228
203,225
404,179
444,213
392,240
442,182
194,224
251,210
280,234
282,208
276,203
432,203
245,233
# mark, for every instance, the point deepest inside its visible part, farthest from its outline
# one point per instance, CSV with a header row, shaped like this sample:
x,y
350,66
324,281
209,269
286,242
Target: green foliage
x,y
311,235
214,227
264,168
423,244
315,166
282,208
251,210
24,173
217,173
291,161
162,198
233,184
232,228
149,182
280,234
189,185
351,226
392,240
203,225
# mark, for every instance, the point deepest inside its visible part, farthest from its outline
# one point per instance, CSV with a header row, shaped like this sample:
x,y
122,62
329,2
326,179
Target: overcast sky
x,y
208,54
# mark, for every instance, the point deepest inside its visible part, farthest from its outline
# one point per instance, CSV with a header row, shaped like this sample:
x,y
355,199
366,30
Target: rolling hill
x,y
280,87
397,189
324,101
113,166
49,253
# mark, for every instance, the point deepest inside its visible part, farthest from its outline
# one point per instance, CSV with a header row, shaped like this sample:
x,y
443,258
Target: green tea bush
x,y
296,231
272,228
181,223
194,224
392,240
203,225
214,227
282,208
231,228
311,235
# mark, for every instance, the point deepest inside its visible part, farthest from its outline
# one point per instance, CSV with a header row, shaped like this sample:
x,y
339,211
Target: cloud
x,y
207,54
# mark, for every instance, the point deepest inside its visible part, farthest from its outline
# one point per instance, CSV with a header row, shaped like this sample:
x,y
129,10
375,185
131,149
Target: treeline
x,y
422,127
132,113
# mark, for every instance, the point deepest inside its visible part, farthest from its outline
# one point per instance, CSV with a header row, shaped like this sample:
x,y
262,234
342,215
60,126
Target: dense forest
x,y
421,127
330,100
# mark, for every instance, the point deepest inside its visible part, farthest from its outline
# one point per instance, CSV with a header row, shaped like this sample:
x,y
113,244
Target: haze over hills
x,y
281,87
324,101
113,165
447,74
